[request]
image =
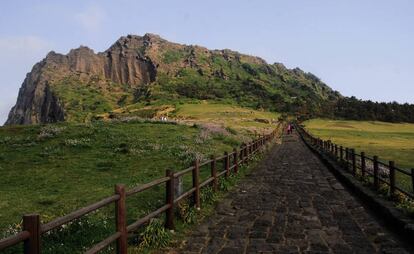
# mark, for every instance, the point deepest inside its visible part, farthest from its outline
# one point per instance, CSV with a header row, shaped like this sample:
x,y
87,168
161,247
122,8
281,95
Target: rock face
x,y
121,63
83,84
35,103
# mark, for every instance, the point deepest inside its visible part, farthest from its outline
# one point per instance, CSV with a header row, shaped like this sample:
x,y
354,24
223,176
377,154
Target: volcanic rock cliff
x,y
37,102
81,84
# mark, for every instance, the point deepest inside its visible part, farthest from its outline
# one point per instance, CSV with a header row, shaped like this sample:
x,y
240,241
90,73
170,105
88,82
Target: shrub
x,y
224,184
82,142
231,130
186,212
49,131
207,195
154,235
407,205
122,148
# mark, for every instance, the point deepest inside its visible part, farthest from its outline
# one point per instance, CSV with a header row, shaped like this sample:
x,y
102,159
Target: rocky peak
x,y
82,50
131,64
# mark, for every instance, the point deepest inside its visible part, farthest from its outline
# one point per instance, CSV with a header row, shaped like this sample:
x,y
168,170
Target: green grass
x,y
55,169
244,120
229,115
59,168
389,141
81,163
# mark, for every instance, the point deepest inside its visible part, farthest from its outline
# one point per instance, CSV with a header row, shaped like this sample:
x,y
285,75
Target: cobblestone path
x,y
290,204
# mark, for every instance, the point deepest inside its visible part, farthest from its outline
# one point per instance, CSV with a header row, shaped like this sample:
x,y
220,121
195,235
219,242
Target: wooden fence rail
x,y
33,229
360,165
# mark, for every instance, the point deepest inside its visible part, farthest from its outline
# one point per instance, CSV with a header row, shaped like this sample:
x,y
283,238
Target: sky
x,y
358,47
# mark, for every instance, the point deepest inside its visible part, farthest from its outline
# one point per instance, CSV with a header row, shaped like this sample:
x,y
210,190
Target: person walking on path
x,y
289,129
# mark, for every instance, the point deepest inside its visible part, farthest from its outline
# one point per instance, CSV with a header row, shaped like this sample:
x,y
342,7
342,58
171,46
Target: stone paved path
x,y
290,204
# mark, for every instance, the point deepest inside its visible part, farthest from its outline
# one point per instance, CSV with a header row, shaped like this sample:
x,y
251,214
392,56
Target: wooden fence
x,y
369,168
33,229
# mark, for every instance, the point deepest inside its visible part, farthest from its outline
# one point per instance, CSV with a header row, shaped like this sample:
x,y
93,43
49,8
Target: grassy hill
x,y
57,168
143,71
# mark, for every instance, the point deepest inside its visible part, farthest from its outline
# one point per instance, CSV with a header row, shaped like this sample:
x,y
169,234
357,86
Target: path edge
x,y
385,210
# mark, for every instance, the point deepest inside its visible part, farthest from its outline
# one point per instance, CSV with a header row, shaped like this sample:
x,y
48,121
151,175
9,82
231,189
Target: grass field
x,y
227,115
55,169
389,141
199,111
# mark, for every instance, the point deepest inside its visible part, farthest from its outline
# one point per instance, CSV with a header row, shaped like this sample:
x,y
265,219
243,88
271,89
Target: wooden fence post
x,y
196,184
354,166
392,178
120,217
376,180
226,164
363,164
246,153
235,160
336,151
249,149
241,154
412,179
341,153
169,199
31,223
214,172
347,157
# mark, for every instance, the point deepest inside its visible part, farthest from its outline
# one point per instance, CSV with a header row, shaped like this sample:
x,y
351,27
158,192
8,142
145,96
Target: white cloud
x,y
91,18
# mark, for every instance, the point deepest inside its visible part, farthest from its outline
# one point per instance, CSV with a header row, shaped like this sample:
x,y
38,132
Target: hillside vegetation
x,y
54,169
139,71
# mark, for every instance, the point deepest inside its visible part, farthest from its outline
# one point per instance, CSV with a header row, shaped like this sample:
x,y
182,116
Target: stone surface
x,y
122,63
292,204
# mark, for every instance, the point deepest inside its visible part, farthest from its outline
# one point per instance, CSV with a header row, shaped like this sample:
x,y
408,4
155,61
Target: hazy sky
x,y
358,47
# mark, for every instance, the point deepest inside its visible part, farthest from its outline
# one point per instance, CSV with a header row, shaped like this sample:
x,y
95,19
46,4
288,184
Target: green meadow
x,y
389,141
58,168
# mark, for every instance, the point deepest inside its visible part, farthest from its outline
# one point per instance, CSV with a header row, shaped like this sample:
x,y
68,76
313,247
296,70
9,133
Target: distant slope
x,y
80,85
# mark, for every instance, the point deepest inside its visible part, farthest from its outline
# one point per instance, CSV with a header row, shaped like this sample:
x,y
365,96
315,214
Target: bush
x,y
186,212
122,148
82,142
154,235
231,130
208,196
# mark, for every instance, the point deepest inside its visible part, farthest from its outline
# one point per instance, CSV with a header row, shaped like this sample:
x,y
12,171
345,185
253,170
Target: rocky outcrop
x,y
122,63
83,85
36,103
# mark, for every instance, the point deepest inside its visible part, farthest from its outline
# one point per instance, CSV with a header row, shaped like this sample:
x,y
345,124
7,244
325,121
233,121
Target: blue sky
x,y
358,47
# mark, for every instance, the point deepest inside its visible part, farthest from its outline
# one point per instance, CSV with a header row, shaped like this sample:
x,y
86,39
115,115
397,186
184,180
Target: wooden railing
x,y
368,168
33,229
